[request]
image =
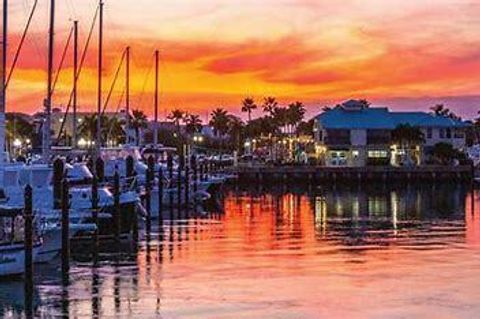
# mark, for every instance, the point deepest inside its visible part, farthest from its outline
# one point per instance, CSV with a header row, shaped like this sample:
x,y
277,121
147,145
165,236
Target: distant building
x,y
353,134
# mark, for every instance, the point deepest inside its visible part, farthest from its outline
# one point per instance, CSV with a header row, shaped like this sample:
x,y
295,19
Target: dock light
x,y
17,143
28,141
247,144
82,142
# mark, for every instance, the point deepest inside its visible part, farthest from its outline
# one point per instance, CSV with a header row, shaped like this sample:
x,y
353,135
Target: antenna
x,y
127,95
75,82
155,131
98,140
3,89
48,101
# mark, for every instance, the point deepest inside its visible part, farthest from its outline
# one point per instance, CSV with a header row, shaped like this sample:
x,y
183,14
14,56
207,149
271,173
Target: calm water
x,y
401,252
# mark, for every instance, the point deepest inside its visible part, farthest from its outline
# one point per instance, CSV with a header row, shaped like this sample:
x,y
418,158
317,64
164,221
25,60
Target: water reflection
x,y
282,253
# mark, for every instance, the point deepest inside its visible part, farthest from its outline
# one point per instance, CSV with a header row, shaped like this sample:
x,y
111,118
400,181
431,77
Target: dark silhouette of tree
x,y
219,122
177,117
193,124
248,105
295,114
269,105
138,122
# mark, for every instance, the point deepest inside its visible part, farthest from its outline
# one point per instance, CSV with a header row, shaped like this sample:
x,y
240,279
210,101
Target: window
x,y
429,133
442,133
320,135
377,154
458,133
449,133
376,137
337,137
355,154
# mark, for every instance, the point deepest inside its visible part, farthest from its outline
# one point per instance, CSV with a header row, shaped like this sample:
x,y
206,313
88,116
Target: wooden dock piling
x,y
65,231
160,199
116,206
28,242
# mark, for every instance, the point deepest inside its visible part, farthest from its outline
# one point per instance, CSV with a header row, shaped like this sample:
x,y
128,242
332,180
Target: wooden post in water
x,y
100,169
179,182
65,232
95,207
187,182
193,162
28,241
150,180
58,169
116,206
131,180
207,166
160,199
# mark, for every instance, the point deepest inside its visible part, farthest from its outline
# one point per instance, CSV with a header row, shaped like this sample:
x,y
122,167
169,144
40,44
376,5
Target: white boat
x,y
12,246
12,258
52,238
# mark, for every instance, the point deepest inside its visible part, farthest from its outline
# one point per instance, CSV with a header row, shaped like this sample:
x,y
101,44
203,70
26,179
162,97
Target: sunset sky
x,y
406,54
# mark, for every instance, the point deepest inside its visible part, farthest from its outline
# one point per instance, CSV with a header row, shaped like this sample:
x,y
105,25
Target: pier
x,y
312,174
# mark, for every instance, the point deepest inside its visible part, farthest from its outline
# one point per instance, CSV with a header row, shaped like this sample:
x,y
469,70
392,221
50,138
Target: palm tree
x,y
407,137
219,121
248,105
88,128
177,116
440,110
115,131
235,130
306,128
138,122
193,124
295,114
18,127
269,105
280,117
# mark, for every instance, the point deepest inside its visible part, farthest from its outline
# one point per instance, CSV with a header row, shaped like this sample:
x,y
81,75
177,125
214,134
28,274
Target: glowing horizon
x,y
401,54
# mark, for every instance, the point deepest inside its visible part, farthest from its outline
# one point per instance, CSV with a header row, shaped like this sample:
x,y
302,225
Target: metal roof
x,y
382,118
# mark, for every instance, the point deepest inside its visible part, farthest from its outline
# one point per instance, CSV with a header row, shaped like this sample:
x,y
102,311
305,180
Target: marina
x,y
118,200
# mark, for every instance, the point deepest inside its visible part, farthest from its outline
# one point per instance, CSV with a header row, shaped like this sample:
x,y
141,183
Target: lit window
x,y
355,154
377,154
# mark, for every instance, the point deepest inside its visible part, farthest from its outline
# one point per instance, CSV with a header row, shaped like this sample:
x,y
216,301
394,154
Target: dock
x,y
312,174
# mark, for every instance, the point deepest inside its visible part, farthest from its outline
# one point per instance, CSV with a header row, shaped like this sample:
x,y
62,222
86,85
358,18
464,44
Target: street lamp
x,y
17,143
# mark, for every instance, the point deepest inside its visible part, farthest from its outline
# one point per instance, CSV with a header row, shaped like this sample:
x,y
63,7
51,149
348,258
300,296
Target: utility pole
x,y
3,79
127,96
98,140
48,101
75,82
155,131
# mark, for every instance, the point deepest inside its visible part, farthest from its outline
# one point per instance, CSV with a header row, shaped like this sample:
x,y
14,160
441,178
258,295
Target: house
x,y
353,134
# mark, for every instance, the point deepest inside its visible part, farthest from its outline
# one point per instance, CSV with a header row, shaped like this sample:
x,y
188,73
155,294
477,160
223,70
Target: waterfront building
x,y
353,134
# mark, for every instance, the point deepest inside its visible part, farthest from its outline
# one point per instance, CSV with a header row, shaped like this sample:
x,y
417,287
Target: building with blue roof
x,y
353,134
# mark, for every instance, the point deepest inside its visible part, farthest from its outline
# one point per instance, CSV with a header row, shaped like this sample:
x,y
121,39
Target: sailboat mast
x,y
127,95
3,89
155,131
75,82
98,140
48,100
